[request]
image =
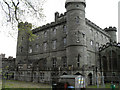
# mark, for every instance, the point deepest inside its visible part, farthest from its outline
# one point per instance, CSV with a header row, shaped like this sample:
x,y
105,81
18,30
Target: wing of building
x,y
69,45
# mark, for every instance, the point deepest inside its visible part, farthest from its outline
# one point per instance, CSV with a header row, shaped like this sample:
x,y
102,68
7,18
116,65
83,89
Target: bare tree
x,y
16,11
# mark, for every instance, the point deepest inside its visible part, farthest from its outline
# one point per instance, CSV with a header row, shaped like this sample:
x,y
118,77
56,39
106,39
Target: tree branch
x,y
15,11
8,10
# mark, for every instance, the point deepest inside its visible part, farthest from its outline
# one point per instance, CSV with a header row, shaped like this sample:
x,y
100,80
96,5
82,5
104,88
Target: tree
x,y
16,11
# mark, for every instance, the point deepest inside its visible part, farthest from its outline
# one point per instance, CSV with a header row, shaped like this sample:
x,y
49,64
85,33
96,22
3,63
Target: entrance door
x,y
90,79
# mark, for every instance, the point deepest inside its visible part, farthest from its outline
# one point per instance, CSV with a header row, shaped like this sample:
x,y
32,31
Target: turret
x,y
112,32
22,42
76,38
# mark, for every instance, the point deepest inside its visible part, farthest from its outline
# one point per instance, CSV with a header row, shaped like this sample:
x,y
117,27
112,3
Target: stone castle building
x,y
68,46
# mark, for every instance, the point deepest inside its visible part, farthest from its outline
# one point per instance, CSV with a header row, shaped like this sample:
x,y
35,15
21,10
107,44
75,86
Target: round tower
x,y
76,38
112,32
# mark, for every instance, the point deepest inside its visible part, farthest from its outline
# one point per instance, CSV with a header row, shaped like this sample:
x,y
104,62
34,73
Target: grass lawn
x,y
107,85
23,84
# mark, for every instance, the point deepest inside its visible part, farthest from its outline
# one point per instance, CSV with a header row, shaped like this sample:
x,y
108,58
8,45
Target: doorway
x,y
90,79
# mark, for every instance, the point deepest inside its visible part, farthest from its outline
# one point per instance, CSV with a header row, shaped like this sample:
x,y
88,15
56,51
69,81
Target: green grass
x,y
23,84
107,85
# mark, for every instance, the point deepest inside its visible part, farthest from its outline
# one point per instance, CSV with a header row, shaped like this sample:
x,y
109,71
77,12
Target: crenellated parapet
x,y
109,44
111,29
112,32
59,19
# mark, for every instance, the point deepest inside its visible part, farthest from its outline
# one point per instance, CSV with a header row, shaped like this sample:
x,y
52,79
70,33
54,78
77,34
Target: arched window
x,y
105,65
112,60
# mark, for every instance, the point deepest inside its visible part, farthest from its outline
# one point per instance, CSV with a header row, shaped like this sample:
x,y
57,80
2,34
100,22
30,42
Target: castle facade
x,y
68,46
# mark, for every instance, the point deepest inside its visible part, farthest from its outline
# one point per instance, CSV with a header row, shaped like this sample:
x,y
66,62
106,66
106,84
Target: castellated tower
x,y
76,38
112,32
23,42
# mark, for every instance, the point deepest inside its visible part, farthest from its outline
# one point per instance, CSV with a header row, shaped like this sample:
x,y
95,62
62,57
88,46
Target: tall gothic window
x,y
105,66
112,60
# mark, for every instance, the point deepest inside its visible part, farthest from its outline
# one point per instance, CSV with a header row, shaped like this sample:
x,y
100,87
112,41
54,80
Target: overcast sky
x,y
104,13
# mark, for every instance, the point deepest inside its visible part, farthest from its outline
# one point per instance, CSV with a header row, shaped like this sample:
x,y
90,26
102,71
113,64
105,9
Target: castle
x,y
72,45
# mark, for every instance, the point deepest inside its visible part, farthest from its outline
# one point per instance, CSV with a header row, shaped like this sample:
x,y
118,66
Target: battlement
x,y
109,44
75,1
59,18
110,29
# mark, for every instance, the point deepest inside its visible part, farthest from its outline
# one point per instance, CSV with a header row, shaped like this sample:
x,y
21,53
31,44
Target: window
x,y
78,36
78,60
64,59
30,49
54,44
28,73
96,34
91,31
45,34
22,38
38,37
41,75
28,66
97,45
91,42
45,46
65,29
64,40
77,19
21,49
101,37
83,35
35,75
54,31
37,46
77,5
54,60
